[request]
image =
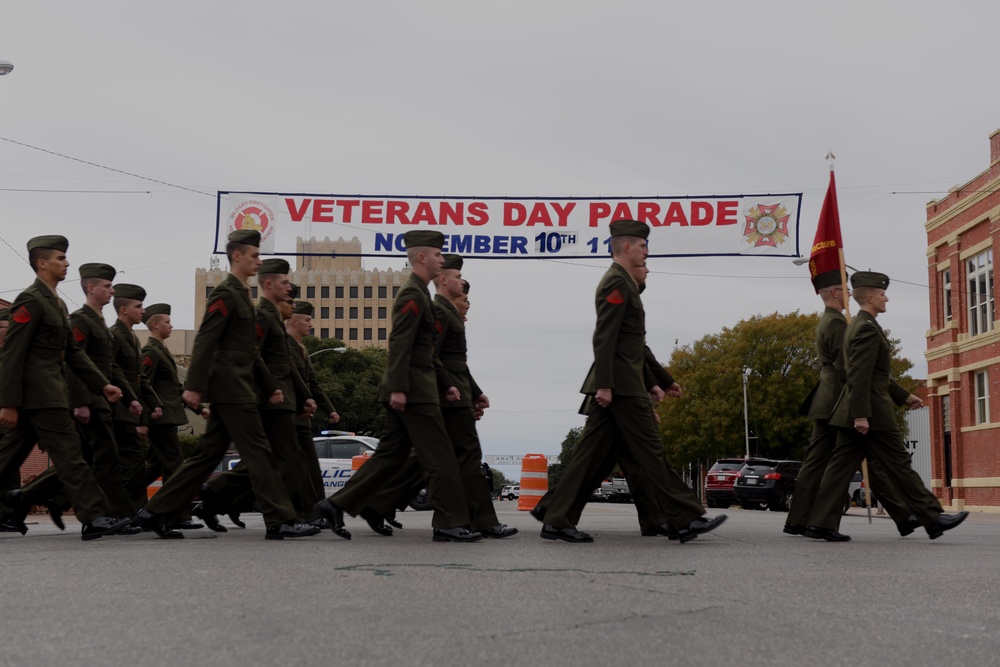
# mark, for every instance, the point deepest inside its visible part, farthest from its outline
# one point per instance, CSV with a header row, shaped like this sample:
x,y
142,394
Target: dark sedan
x,y
766,482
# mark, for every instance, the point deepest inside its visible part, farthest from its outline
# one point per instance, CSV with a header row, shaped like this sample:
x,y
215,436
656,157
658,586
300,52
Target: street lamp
x,y
746,420
6,67
341,350
805,260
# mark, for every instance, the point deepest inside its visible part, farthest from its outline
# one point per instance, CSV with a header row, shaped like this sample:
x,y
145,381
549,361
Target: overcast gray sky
x,y
515,98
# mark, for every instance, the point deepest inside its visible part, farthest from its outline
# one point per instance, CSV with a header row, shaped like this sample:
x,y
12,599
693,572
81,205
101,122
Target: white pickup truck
x,y
616,490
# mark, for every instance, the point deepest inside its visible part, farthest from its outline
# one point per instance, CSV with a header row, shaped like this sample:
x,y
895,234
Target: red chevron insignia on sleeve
x,y
615,298
219,306
78,335
147,361
22,316
260,332
410,307
438,327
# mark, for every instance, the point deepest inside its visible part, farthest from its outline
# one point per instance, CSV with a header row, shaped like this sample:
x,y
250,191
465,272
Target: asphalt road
x,y
745,595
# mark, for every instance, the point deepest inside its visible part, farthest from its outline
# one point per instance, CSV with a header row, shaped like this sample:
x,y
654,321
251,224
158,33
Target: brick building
x,y
963,343
352,304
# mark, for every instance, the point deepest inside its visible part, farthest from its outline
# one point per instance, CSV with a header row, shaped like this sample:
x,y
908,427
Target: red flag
x,y
825,255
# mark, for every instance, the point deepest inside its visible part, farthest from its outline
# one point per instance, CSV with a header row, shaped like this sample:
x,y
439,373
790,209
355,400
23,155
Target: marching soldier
x,y
866,423
619,411
13,479
33,393
226,369
410,389
163,457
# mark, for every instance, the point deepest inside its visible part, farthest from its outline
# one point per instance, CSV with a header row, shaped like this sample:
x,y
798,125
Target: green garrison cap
x,y
4,314
155,309
869,279
303,308
55,242
245,237
105,271
629,228
465,287
828,279
295,292
421,238
127,291
452,261
274,265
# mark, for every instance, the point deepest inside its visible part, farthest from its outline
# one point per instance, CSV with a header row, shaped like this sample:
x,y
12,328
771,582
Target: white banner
x,y
517,228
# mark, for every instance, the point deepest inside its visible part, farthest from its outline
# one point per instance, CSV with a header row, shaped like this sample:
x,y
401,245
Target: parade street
x,y
744,595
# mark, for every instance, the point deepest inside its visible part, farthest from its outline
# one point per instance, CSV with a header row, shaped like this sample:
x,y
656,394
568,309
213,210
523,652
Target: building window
x,y
324,333
368,334
339,292
354,291
368,312
352,334
338,333
324,292
368,291
338,312
253,292
208,291
395,291
946,413
324,313
382,333
382,291
381,312
946,294
354,312
979,270
310,292
982,382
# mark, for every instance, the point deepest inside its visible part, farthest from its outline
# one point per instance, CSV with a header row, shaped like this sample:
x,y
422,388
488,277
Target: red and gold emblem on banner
x,y
766,226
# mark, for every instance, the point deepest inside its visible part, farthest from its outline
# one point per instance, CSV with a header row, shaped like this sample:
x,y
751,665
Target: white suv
x,y
510,492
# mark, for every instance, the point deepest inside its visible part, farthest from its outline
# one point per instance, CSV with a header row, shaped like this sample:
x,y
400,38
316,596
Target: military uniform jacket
x,y
39,343
127,354
159,367
868,391
619,337
92,336
451,348
226,367
830,354
272,342
304,366
413,367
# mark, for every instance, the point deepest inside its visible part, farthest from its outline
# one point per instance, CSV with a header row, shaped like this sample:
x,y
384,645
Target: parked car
x,y
616,490
765,481
719,482
510,492
601,495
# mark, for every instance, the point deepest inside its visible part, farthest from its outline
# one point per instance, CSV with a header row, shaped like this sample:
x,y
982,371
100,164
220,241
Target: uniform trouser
x,y
239,424
132,453
53,430
887,449
163,456
627,423
234,489
817,458
313,492
461,426
420,427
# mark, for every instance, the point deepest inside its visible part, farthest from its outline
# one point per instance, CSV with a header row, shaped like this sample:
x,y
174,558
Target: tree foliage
x,y
706,422
569,444
351,381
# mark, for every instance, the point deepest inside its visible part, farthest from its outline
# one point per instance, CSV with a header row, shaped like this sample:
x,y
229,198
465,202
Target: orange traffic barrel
x,y
358,461
534,481
154,487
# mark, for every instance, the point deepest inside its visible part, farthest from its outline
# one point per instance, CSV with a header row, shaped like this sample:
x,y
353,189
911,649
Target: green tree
x,y
499,480
351,381
707,421
569,444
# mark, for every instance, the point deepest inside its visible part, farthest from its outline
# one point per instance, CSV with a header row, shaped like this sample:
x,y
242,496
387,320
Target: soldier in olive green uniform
x,y
619,412
226,370
410,389
13,479
131,429
232,490
866,423
298,327
163,457
33,393
819,405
